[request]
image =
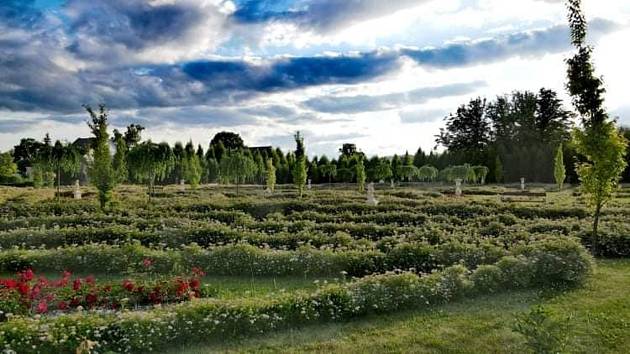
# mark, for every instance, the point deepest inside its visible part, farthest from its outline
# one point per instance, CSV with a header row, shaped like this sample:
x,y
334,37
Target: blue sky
x,y
381,74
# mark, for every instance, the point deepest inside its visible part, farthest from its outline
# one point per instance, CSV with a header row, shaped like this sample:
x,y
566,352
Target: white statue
x,y
182,185
522,183
371,200
392,183
309,186
458,187
77,190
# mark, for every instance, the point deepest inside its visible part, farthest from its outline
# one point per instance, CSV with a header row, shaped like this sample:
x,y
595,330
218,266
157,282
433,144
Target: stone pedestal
x,y
458,187
77,190
522,184
371,200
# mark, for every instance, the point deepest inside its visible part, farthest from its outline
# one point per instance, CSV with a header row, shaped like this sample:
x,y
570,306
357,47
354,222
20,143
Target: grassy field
x,y
598,317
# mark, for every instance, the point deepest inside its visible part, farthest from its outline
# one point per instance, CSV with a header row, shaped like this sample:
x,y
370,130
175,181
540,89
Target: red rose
x,y
76,284
147,262
90,280
9,283
128,285
91,299
42,307
27,275
195,283
23,288
62,305
75,302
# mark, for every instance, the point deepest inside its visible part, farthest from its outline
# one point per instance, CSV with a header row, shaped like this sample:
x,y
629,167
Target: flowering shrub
x,y
27,294
200,320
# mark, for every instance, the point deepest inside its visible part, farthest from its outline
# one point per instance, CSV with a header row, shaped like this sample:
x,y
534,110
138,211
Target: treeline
x,y
513,136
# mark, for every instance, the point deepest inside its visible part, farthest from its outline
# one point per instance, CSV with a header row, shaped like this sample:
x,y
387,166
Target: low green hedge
x,y
138,332
243,259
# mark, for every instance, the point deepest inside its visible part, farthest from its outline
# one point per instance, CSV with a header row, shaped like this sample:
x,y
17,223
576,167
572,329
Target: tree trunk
x,y
595,248
58,183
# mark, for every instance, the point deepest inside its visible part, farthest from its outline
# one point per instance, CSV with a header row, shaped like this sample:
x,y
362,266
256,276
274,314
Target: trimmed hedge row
x,y
557,264
242,259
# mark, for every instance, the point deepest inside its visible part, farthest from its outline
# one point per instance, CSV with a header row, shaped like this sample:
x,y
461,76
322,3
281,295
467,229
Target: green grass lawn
x,y
599,323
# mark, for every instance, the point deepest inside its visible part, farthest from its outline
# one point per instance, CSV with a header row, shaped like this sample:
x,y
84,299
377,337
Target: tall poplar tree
x,y
101,172
598,140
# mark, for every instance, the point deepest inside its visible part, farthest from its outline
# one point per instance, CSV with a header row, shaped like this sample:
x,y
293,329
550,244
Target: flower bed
x,y
28,294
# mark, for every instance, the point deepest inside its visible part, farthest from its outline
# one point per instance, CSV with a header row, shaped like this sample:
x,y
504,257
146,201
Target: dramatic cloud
x,y
320,15
530,43
367,103
150,31
33,81
372,67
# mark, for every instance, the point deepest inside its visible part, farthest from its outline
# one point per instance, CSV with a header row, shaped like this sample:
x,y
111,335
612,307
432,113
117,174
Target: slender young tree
x,y
8,168
299,168
100,170
271,176
559,172
191,166
119,163
599,140
360,171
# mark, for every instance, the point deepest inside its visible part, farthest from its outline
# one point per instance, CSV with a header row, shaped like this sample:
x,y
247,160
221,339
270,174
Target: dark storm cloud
x,y
367,103
292,72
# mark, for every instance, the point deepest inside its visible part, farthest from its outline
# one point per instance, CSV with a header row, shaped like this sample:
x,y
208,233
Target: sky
x,y
380,74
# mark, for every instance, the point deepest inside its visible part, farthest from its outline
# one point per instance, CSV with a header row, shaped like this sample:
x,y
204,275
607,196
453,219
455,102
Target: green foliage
x,y
150,163
427,173
191,166
360,173
480,172
119,163
599,141
101,171
212,170
559,171
329,170
236,167
299,169
271,176
543,334
407,172
226,141
498,169
7,167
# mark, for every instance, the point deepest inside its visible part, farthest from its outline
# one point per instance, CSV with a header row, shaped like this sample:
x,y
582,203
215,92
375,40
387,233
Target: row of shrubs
x,y
555,264
243,259
613,241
